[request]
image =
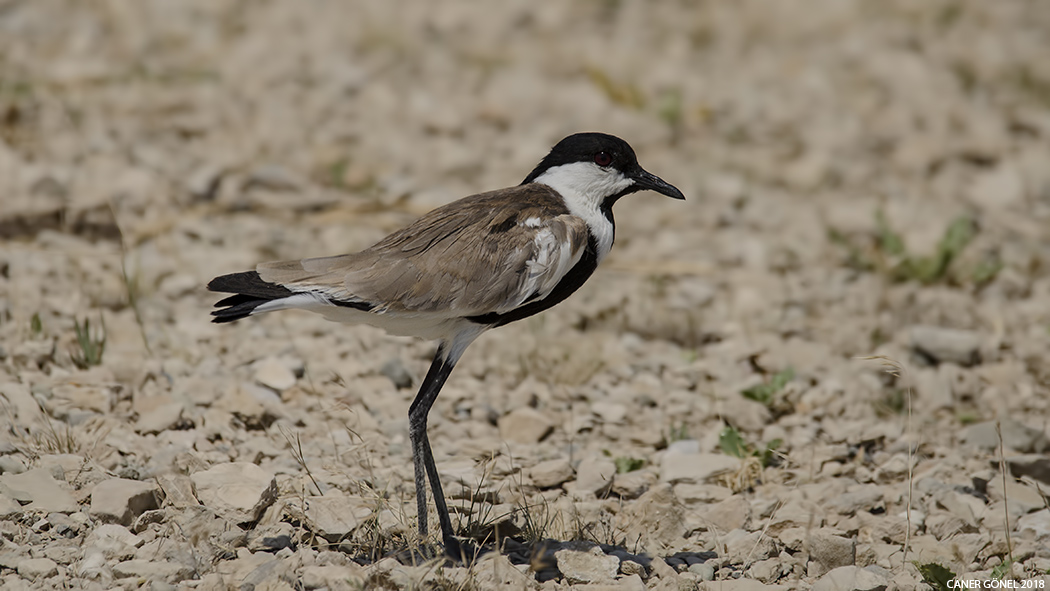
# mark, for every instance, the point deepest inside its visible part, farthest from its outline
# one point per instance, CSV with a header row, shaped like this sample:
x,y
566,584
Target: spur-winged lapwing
x,y
474,264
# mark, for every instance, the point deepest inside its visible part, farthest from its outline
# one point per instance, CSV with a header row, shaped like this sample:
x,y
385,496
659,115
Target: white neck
x,y
584,186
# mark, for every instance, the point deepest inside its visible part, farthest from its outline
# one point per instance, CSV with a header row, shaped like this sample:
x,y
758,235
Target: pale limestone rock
x,y
40,490
701,493
9,507
495,571
851,578
551,473
160,418
732,513
333,577
1016,436
119,500
632,485
741,584
113,541
594,477
698,468
178,490
743,546
334,516
273,373
656,518
525,425
37,568
828,550
1035,526
590,566
153,570
962,347
609,412
240,491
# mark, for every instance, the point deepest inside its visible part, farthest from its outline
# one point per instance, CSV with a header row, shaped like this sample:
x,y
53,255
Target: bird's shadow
x,y
539,555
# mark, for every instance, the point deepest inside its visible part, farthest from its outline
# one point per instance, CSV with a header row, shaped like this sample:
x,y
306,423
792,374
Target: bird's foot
x,y
453,550
421,554
462,551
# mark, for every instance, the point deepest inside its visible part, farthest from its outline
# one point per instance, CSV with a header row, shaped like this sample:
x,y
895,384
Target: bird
x,y
472,265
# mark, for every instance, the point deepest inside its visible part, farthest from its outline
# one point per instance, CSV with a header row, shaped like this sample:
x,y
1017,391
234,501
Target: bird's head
x,y
597,168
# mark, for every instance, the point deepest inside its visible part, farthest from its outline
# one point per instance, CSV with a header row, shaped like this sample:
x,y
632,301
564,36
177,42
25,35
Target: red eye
x,y
602,159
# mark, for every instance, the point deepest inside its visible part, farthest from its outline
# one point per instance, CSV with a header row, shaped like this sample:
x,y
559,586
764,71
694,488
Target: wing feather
x,y
487,253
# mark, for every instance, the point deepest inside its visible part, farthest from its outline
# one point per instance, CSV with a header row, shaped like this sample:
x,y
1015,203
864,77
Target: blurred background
x,y
200,137
862,178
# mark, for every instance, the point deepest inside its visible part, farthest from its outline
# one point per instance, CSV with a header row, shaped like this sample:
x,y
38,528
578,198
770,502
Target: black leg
x,y
422,458
439,498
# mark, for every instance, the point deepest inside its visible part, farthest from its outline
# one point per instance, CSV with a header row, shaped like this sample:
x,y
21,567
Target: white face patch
x,y
532,223
584,186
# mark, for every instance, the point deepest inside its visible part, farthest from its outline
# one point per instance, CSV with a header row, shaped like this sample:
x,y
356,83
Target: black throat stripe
x,y
572,281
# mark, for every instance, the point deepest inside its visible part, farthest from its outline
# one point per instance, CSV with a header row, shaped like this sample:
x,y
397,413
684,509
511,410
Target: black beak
x,y
644,180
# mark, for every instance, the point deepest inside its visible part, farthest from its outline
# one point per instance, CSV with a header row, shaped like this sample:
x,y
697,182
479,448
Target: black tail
x,y
250,292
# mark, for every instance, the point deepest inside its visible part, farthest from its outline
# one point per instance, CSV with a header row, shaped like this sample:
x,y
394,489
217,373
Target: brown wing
x,y
486,253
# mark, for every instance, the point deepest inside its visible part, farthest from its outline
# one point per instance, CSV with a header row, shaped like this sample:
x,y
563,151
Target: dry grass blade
x,y
132,283
52,440
296,448
894,368
482,525
1006,498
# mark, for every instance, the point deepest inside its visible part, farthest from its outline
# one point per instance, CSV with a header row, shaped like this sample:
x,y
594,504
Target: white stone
x,y
594,476
829,551
741,584
551,473
113,541
1035,526
119,500
525,425
334,516
610,412
962,347
732,513
273,373
159,419
696,468
150,570
9,507
37,568
333,576
850,578
591,566
239,491
40,490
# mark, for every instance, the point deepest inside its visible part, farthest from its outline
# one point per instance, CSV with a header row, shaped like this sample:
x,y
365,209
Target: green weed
x,y
92,344
626,464
733,444
1001,570
765,392
677,432
889,255
935,575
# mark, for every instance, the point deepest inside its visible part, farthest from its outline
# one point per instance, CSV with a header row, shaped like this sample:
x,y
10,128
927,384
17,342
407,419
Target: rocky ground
x,y
863,179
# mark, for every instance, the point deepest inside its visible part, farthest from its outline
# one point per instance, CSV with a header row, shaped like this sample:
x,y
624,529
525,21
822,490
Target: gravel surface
x,y
792,380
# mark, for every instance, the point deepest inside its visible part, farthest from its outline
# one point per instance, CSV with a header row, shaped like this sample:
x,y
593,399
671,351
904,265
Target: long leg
x,y
423,465
422,458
